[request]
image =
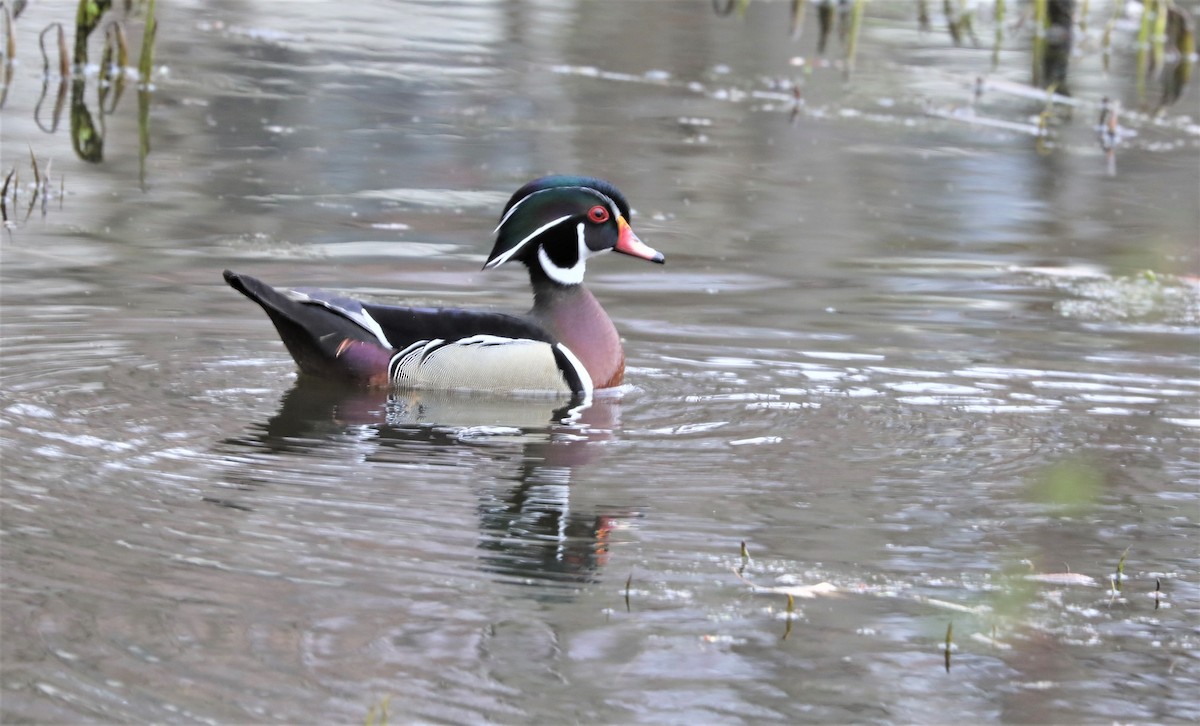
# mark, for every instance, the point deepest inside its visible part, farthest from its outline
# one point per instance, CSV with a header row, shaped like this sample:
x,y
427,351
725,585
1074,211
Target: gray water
x,y
935,376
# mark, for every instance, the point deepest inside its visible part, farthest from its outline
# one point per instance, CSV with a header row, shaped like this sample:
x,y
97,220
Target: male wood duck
x,y
565,345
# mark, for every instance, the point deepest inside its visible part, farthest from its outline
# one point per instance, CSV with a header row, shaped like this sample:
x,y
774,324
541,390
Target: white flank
x,y
486,363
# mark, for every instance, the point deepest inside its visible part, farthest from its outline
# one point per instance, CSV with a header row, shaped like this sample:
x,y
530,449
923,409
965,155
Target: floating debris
x,y
990,640
792,591
947,605
1061,578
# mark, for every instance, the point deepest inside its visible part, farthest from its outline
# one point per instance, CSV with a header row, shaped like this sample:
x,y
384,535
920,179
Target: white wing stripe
x,y
359,317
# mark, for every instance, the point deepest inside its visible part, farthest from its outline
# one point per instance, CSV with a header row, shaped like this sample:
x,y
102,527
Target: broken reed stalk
x,y
789,616
949,642
37,177
1120,571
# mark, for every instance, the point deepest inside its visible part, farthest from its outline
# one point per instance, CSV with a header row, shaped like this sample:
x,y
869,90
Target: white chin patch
x,y
567,275
561,275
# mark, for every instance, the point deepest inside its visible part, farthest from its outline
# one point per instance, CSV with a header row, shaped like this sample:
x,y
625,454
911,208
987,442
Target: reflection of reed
x,y
10,47
1165,40
64,72
87,137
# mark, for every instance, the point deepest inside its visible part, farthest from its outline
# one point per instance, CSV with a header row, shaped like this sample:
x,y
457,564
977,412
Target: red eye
x,y
598,214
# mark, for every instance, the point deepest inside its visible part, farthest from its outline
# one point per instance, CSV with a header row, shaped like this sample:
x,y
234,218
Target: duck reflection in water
x,y
528,530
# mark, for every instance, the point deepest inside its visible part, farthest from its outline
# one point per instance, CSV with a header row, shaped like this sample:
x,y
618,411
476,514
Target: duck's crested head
x,y
567,181
555,223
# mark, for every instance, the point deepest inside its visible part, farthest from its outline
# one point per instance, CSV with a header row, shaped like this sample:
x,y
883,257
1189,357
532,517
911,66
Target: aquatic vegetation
x,y
1144,297
1006,611
42,191
377,715
1068,487
1054,33
1166,34
71,68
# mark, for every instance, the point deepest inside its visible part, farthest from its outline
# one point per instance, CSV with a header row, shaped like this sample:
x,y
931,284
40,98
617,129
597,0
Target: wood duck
x,y
565,345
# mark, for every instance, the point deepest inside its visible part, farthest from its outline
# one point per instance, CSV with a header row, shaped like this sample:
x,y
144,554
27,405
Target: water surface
x,y
929,372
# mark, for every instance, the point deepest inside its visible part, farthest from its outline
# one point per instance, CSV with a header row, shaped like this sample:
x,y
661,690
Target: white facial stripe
x,y
508,214
517,247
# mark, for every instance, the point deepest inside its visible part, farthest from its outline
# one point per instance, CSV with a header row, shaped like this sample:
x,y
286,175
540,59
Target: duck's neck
x,y
576,319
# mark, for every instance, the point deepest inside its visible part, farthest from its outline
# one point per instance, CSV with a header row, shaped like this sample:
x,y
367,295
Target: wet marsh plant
x,y
377,715
62,66
10,49
1165,40
41,191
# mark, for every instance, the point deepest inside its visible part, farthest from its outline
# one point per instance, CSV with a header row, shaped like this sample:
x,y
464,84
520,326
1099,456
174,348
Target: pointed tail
x,y
322,342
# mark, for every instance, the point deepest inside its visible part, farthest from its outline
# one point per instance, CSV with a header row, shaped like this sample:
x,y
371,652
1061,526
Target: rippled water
x,y
932,376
